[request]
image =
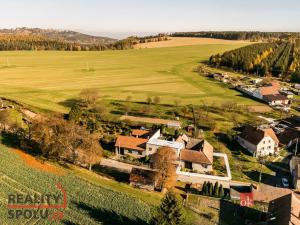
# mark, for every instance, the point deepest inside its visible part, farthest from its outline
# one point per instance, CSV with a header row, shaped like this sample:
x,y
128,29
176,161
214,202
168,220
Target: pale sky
x,y
114,17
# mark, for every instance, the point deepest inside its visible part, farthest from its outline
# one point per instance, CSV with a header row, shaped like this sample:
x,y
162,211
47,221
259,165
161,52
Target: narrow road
x,y
124,167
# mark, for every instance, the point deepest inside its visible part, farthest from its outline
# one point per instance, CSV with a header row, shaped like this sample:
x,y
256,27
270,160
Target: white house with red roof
x,y
258,141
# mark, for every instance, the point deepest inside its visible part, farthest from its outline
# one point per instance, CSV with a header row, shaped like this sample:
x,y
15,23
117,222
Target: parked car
x,y
285,183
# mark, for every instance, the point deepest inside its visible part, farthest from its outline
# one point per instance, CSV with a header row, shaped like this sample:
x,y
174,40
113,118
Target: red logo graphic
x,y
246,199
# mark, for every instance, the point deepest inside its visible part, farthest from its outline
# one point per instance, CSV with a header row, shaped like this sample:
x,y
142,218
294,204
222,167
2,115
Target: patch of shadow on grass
x,y
235,214
235,148
117,112
115,103
106,217
254,175
10,140
68,222
69,102
111,173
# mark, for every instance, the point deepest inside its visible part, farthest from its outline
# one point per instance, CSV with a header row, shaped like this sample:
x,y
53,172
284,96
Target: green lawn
x,y
47,79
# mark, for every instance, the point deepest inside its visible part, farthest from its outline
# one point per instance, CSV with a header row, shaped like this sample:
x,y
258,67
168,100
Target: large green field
x,y
47,79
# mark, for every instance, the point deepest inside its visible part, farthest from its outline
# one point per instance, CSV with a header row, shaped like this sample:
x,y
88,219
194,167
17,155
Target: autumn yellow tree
x,y
163,161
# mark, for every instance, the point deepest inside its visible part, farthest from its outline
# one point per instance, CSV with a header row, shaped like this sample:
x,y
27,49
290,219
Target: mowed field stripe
x,y
45,79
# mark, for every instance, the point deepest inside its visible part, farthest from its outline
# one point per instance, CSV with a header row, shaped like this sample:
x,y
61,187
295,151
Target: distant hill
x,y
58,40
59,35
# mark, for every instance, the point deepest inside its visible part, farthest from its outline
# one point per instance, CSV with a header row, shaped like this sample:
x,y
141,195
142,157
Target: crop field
x,y
48,80
86,202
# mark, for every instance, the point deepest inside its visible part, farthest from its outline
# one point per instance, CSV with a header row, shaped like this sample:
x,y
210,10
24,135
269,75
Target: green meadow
x,y
47,79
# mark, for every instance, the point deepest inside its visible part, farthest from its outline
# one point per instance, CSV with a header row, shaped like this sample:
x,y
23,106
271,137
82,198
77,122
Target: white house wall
x,y
264,148
198,167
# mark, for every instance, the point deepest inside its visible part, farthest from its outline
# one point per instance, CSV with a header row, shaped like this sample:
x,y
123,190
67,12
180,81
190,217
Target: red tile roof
x,y
273,89
208,150
255,135
194,156
270,132
134,143
136,132
196,150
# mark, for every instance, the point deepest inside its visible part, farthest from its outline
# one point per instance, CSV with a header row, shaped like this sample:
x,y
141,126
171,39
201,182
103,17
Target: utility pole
x,y
260,172
195,125
261,161
296,149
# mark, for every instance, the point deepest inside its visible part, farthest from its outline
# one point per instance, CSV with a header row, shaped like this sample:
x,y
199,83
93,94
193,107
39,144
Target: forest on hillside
x,y
50,39
146,39
239,35
279,59
10,42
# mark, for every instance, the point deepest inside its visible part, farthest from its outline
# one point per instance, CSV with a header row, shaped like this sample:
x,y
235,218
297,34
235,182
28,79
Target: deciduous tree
x,y
4,119
89,96
163,162
156,100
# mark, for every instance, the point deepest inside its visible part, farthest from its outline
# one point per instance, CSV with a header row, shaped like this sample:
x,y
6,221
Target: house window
x,y
150,149
263,148
269,141
140,153
269,147
129,151
264,142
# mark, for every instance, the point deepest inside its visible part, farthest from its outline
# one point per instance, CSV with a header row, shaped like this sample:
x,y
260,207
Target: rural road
x,y
124,167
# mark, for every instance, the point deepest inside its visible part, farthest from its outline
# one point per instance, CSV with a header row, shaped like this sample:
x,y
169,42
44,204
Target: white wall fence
x,y
197,177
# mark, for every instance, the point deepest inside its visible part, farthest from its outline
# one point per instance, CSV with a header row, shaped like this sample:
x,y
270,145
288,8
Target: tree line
x,y
277,58
55,139
10,42
238,35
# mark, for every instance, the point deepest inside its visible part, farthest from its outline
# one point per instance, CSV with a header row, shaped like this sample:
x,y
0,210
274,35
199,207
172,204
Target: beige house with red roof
x,y
131,145
196,156
259,141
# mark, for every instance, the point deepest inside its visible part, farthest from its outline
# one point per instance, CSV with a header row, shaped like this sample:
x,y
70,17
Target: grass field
x,y
91,200
46,80
185,41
